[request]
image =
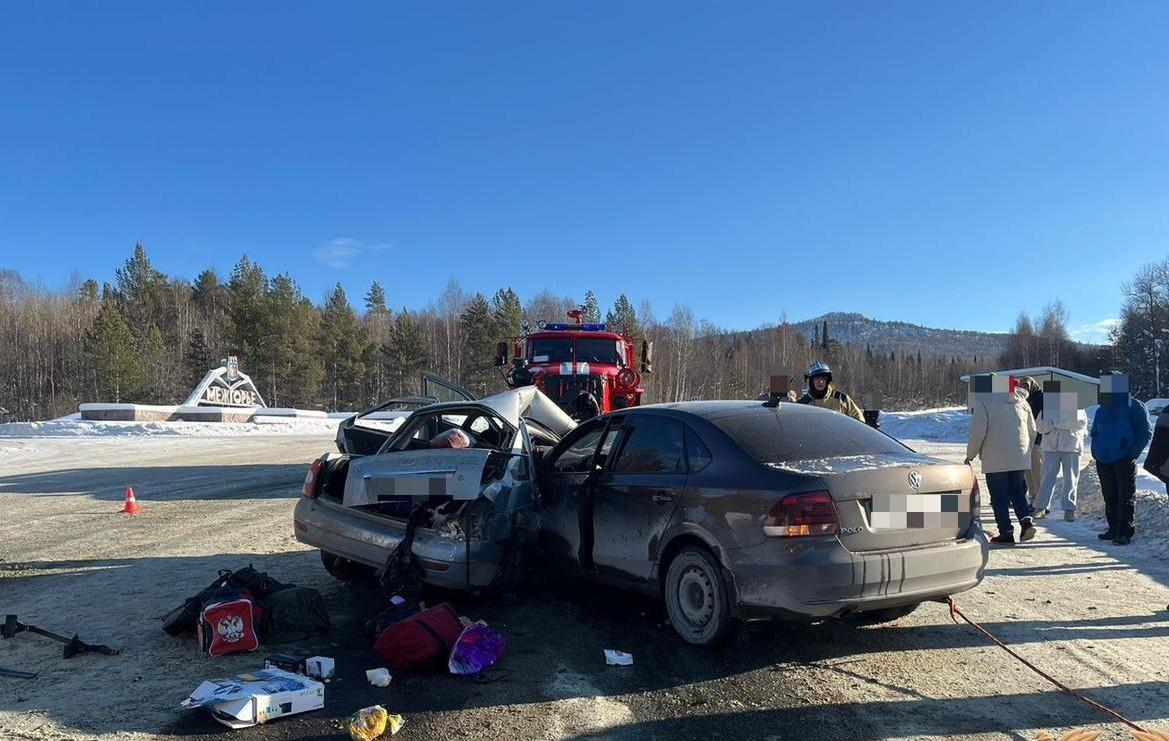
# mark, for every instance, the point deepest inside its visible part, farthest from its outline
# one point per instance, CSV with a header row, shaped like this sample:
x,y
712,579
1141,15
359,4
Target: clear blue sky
x,y
941,163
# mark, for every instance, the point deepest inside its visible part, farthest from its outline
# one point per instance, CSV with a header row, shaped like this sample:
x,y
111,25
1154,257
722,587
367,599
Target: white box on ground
x,y
319,667
257,697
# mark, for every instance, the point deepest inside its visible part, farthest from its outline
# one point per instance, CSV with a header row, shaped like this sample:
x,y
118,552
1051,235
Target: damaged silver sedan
x,y
458,478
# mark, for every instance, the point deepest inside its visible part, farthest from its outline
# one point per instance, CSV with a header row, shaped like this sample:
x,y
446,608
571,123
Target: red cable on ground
x,y
955,613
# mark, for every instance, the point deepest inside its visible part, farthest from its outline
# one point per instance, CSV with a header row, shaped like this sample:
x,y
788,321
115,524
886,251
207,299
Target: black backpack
x,y
293,614
185,617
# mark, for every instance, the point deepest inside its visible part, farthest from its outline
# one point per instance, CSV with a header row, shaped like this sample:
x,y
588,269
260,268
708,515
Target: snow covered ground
x,y
943,425
73,426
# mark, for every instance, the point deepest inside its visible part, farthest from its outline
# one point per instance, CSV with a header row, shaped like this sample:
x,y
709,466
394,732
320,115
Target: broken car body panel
x,y
473,503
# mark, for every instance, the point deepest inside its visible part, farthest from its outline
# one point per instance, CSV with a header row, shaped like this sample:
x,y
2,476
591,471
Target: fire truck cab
x,y
587,369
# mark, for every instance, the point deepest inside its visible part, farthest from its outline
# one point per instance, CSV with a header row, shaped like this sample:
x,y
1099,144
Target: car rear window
x,y
770,436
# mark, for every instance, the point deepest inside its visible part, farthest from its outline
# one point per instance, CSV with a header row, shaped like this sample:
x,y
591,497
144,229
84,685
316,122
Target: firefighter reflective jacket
x,y
837,401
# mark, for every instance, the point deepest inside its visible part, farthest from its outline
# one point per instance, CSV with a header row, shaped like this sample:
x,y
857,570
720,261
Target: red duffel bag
x,y
420,641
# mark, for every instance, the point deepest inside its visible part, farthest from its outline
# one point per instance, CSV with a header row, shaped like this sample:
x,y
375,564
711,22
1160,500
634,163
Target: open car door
x,y
444,390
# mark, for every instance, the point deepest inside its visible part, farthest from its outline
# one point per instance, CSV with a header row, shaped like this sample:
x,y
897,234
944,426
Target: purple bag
x,y
477,648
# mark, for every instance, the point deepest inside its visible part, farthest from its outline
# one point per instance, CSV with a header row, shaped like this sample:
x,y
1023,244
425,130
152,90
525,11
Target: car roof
x,y
712,410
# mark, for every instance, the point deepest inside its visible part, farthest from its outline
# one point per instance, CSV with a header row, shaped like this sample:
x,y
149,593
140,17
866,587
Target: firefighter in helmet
x,y
822,393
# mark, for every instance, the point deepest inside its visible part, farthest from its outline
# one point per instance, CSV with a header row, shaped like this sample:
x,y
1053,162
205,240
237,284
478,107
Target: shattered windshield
x,y
475,429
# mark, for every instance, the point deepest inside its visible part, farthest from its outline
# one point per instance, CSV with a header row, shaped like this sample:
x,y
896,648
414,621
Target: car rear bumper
x,y
821,578
368,539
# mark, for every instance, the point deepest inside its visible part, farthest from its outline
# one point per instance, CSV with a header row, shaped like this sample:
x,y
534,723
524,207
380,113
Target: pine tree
x,y
246,310
342,342
478,332
157,375
592,308
407,352
375,299
508,313
139,286
624,316
109,348
824,336
287,370
378,327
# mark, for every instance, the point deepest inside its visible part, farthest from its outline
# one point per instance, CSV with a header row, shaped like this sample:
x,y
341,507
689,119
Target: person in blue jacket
x,y
1120,431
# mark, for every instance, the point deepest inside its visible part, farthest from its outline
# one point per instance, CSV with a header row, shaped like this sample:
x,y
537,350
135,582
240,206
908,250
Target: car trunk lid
x,y
894,500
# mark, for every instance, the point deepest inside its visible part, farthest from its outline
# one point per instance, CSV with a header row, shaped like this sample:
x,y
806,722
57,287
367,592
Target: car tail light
x,y
312,477
802,514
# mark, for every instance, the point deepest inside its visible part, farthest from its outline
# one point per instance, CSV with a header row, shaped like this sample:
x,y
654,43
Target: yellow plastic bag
x,y
367,724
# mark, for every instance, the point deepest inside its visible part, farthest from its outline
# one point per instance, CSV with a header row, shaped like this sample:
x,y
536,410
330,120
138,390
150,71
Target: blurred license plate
x,y
906,511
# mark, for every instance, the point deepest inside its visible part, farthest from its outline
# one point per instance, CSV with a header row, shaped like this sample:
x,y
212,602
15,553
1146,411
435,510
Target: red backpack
x,y
229,622
420,641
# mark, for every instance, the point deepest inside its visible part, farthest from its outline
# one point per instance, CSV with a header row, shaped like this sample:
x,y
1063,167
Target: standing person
x,y
822,393
1157,461
1062,433
1120,431
1002,433
1035,472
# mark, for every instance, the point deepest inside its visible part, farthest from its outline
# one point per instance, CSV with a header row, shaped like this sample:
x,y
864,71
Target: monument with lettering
x,y
224,395
225,386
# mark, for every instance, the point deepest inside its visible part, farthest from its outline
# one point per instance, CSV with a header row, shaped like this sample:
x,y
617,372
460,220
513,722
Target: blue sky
x,y
940,163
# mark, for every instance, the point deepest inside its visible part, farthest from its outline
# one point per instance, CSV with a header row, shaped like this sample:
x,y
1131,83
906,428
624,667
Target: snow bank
x,y
94,428
944,425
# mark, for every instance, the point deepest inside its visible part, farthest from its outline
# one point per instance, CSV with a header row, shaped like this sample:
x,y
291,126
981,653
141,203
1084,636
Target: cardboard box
x,y
287,662
319,667
257,697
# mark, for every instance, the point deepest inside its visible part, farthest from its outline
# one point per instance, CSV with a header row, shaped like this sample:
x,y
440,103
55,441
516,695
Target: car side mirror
x,y
647,356
501,354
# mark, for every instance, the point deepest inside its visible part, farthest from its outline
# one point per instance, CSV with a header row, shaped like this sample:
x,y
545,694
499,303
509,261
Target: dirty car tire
x,y
887,615
697,599
344,569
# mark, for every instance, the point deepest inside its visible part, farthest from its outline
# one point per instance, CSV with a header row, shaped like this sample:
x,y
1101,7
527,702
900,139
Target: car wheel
x,y
887,615
697,599
344,569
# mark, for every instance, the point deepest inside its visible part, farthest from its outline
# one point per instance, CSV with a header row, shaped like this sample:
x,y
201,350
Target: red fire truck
x,y
587,369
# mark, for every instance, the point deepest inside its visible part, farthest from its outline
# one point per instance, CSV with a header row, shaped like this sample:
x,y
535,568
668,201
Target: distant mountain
x,y
859,330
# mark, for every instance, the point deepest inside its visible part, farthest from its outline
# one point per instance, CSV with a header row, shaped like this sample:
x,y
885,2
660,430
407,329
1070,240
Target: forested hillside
x,y
149,337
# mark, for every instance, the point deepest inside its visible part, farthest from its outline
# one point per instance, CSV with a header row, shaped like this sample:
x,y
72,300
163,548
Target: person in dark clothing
x,y
1120,431
1157,461
1035,472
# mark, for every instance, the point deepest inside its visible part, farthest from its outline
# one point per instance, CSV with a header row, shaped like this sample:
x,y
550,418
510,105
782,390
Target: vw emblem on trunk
x,y
915,480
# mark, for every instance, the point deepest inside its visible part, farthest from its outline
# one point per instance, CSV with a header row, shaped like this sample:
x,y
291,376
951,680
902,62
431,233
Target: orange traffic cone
x,y
131,507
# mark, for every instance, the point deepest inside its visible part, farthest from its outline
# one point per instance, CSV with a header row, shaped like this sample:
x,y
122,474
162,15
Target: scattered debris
x,y
320,667
257,697
15,674
378,677
420,641
369,723
286,662
477,648
73,646
618,658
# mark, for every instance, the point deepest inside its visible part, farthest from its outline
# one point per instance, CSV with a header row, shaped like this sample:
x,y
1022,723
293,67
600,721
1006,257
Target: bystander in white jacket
x,y
1063,443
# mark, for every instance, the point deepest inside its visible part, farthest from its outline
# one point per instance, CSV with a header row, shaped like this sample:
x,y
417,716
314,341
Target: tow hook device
x,y
73,646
